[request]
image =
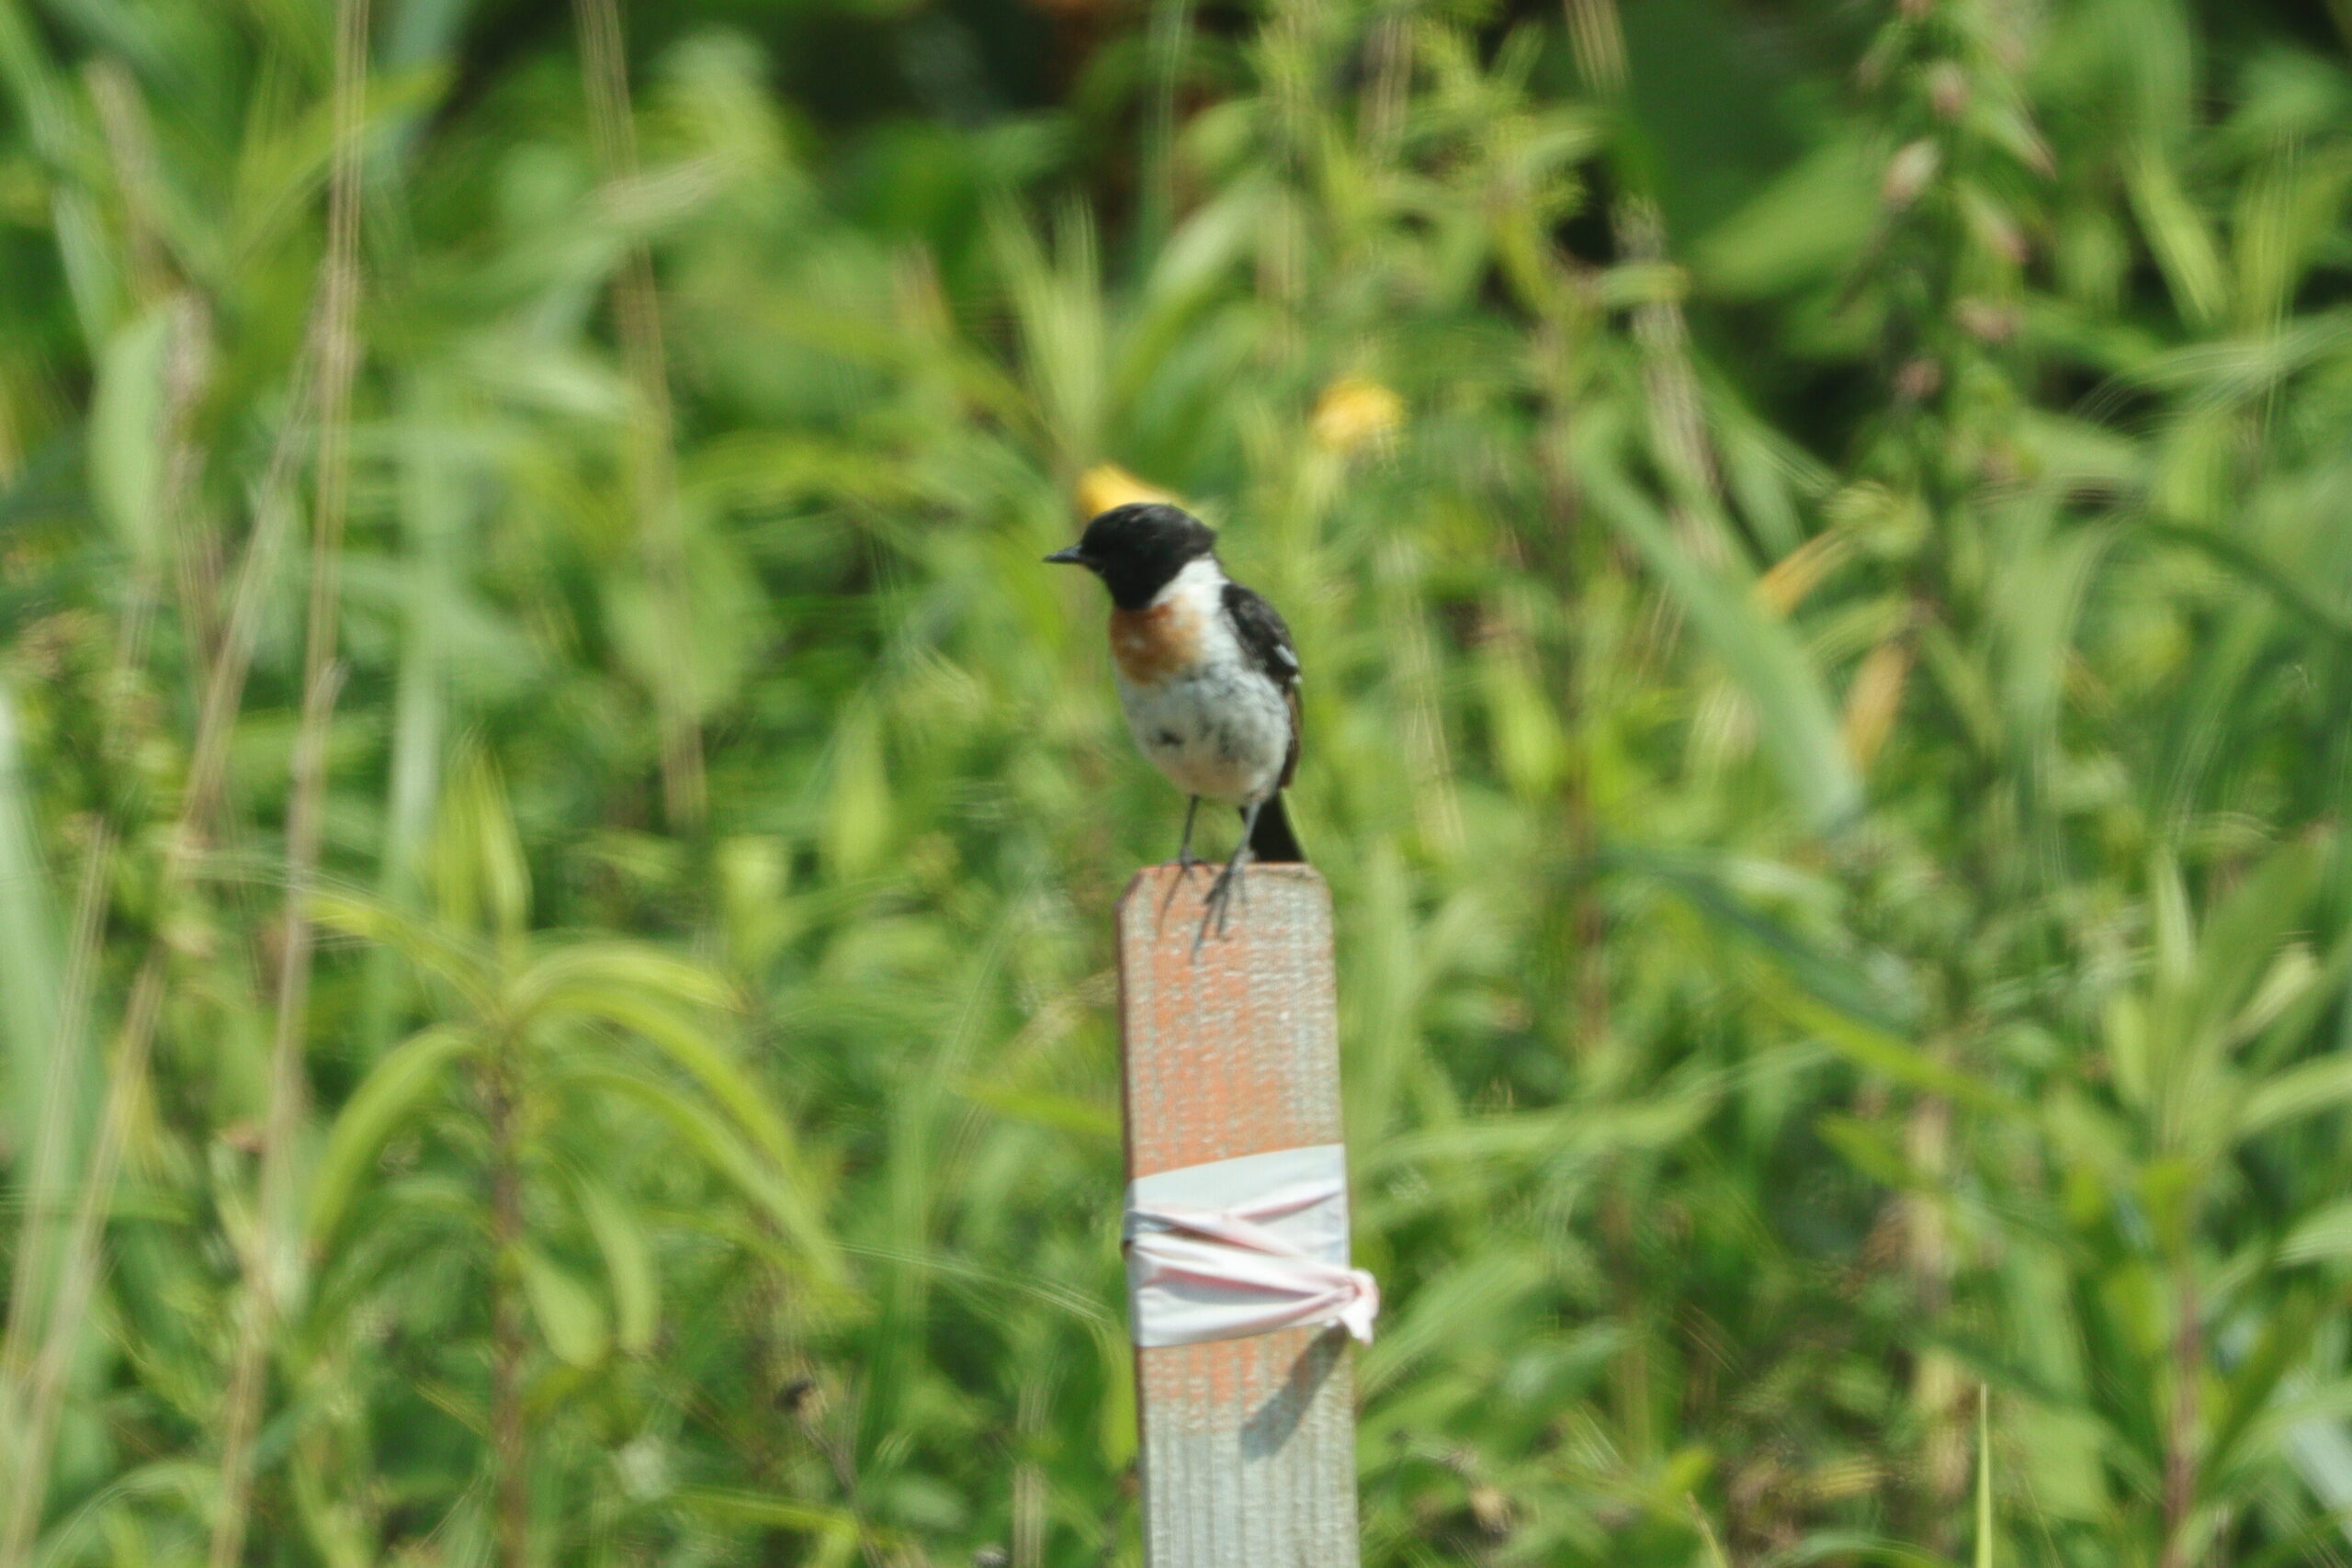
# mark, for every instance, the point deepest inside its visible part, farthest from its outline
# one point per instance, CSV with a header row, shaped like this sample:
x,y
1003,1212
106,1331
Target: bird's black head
x,y
1136,550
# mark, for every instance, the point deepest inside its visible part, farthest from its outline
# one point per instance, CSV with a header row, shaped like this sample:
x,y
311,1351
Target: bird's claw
x,y
1185,862
1218,908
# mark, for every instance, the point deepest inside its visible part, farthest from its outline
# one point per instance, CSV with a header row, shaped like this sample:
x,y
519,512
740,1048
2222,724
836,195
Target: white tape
x,y
1243,1246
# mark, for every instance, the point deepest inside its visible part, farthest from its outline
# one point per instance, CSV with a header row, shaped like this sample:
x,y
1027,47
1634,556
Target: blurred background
x,y
557,844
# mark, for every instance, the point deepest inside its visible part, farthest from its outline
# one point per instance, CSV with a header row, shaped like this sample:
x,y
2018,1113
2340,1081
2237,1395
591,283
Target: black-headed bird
x,y
1207,675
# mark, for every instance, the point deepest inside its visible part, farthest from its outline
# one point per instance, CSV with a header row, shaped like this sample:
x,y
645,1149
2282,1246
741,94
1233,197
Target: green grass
x,y
1818,538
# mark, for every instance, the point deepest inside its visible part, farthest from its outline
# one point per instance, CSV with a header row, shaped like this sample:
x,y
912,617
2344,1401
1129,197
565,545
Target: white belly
x,y
1219,733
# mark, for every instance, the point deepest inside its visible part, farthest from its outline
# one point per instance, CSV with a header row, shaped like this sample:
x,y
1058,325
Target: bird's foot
x,y
1217,910
1186,861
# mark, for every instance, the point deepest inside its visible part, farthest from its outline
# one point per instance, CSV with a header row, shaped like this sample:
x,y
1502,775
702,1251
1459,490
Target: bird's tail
x,y
1273,841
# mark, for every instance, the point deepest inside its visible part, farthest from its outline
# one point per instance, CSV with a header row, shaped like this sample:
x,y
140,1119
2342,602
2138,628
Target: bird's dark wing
x,y
1264,639
1265,642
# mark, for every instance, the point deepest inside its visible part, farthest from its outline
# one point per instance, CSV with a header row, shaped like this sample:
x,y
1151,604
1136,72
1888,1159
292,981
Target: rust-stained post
x,y
1248,1444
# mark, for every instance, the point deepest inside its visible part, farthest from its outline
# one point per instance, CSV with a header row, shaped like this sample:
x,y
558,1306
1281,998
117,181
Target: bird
x,y
1207,677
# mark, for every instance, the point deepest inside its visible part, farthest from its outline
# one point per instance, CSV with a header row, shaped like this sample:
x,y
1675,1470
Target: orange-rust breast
x,y
1151,645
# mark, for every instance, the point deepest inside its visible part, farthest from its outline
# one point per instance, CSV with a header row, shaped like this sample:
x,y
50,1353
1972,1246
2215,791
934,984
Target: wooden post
x,y
1249,1445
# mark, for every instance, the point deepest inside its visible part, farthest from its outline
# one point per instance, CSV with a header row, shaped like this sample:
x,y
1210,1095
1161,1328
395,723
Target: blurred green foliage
x,y
1819,538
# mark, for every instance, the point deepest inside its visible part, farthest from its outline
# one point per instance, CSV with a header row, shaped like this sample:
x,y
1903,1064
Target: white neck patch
x,y
1200,579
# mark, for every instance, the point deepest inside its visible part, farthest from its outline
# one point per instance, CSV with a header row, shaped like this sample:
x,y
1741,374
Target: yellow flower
x,y
1107,485
1353,411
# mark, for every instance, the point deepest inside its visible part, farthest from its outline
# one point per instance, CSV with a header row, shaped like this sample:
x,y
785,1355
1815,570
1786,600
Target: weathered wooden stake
x,y
1249,1445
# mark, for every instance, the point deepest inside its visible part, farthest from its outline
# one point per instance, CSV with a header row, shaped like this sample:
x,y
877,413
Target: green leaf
x,y
30,978
2278,581
456,962
569,1316
391,1093
611,967
2306,1088
1827,978
1869,1149
724,1152
1793,711
2178,236
481,878
858,796
1040,1108
1984,1557
629,1261
760,1508
1882,1053
127,440
2242,938
2322,1236
641,1011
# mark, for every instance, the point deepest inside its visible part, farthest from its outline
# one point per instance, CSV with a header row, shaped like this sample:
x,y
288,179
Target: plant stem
x,y
1938,1386
127,1072
265,1260
1165,40
35,1379
60,1121
339,353
508,1339
636,314
1676,418
2180,1431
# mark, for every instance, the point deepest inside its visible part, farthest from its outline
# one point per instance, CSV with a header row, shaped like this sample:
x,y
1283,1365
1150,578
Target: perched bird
x,y
1207,675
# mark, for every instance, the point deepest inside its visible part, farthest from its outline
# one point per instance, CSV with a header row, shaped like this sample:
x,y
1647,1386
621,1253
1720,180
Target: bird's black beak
x,y
1074,556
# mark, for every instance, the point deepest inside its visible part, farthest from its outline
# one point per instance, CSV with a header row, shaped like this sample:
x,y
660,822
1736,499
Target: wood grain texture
x,y
1249,1445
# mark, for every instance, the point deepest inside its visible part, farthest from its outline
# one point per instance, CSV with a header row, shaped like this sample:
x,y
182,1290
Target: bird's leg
x,y
1219,902
1185,861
